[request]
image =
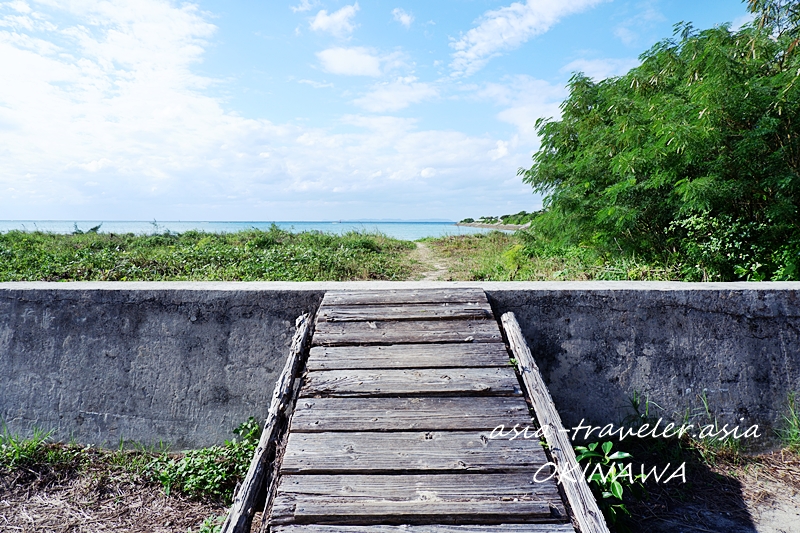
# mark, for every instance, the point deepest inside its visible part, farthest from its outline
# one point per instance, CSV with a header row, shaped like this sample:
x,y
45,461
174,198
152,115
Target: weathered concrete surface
x,y
183,367
104,361
735,350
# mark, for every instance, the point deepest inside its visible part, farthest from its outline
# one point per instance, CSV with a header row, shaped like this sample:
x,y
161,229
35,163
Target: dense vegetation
x,y
519,219
273,255
691,159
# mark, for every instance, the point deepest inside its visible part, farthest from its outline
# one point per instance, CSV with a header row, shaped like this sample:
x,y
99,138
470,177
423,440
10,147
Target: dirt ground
x,y
754,494
429,266
98,500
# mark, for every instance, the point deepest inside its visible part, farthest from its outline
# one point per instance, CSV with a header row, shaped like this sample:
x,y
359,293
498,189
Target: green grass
x,y
38,457
253,255
790,432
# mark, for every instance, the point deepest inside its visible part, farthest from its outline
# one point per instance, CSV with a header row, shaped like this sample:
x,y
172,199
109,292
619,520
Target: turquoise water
x,y
399,230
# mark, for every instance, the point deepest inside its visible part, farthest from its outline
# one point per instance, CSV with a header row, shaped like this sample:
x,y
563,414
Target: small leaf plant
x,y
609,477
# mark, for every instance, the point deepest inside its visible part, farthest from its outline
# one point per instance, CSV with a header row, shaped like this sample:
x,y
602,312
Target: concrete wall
x,y
184,363
100,363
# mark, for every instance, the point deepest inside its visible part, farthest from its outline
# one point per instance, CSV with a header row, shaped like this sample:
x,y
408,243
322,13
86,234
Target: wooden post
x,y
240,516
579,496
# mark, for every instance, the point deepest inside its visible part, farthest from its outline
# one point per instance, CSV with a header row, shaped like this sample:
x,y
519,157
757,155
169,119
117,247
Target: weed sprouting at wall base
x,y
209,472
790,432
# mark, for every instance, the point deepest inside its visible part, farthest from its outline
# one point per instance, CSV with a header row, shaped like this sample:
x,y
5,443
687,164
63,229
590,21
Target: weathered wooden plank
x,y
427,528
519,485
333,510
403,296
405,332
443,311
587,514
425,381
407,414
408,452
482,354
416,498
240,516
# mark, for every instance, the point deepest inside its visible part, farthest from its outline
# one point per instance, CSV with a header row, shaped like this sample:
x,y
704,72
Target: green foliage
x,y
518,219
691,158
609,477
209,472
790,433
212,524
273,255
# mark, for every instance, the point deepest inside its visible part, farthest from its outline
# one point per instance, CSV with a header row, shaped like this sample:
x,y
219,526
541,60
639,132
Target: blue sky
x,y
301,110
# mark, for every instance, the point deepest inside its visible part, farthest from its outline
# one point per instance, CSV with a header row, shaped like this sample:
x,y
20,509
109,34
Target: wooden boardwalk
x,y
391,427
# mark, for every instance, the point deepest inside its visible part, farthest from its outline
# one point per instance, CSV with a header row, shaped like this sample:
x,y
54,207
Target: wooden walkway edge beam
x,y
580,497
240,516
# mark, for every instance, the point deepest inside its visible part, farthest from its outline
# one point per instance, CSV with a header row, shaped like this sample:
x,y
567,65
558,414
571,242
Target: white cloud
x,y
396,95
508,28
20,6
740,22
625,34
304,5
94,166
524,100
356,61
315,84
500,152
600,69
337,23
646,17
103,117
402,17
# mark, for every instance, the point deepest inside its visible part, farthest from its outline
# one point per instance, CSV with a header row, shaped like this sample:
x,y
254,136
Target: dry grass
x,y
498,256
99,493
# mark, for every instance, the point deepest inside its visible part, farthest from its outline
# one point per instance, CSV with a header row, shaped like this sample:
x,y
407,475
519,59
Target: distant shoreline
x,y
508,227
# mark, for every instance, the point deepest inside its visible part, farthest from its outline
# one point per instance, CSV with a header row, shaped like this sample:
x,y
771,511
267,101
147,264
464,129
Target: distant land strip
x,y
510,227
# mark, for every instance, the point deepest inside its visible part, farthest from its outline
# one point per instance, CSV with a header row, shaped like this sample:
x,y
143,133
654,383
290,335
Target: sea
x,y
406,230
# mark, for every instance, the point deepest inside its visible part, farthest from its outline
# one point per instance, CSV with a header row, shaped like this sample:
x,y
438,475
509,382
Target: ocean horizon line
x,y
332,221
398,229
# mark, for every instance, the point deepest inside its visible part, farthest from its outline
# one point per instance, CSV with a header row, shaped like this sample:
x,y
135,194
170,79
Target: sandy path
x,y
430,267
